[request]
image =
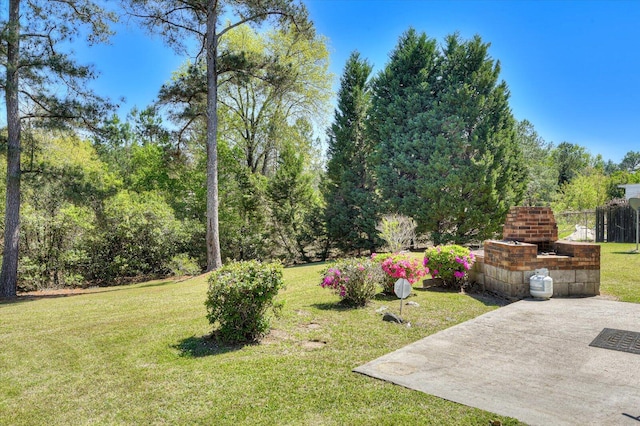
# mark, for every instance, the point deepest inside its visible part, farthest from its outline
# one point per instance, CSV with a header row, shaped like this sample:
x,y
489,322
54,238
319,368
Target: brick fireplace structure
x,y
530,241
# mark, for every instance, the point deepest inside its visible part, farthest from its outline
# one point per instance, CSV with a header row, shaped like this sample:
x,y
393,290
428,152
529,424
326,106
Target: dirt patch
x,y
313,344
276,336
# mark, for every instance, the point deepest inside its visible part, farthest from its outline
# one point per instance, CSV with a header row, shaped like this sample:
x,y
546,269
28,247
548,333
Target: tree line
x,y
227,164
432,137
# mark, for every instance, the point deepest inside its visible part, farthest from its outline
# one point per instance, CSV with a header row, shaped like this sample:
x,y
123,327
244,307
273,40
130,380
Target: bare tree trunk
x,y
214,259
9,273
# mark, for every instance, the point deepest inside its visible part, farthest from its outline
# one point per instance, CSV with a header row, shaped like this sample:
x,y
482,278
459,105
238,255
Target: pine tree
x,y
351,211
43,83
403,93
201,21
447,150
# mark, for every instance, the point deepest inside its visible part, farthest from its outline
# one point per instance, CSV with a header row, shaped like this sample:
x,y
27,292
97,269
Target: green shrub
x,y
239,297
356,281
182,264
139,235
450,263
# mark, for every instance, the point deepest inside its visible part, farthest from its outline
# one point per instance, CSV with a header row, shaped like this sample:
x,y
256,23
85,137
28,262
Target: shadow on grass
x,y
302,265
53,294
69,292
487,299
198,347
625,252
340,306
386,297
438,289
164,282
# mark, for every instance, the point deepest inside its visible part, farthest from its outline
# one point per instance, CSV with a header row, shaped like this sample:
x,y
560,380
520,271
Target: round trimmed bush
x,y
356,281
450,263
239,298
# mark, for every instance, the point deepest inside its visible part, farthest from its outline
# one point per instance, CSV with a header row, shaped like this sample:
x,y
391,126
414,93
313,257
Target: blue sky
x,y
572,67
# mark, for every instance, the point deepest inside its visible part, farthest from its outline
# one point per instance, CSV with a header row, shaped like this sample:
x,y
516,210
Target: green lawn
x,y
135,355
620,272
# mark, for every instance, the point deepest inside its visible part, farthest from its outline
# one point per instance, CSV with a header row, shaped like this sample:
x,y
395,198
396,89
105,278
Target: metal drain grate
x,y
618,340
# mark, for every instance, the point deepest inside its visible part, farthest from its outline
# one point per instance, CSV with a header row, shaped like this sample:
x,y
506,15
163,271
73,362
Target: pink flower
x,y
458,274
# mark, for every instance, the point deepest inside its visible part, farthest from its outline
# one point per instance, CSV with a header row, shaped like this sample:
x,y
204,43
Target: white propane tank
x,y
541,284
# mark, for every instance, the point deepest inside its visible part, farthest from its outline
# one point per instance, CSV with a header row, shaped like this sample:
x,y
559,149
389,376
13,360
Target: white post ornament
x,y
402,289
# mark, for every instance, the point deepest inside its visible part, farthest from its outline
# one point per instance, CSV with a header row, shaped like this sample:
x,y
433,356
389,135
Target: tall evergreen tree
x,y
349,193
42,82
403,94
447,149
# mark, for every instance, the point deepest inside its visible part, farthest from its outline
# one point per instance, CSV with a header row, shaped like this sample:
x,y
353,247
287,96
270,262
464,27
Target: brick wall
x,y
505,268
582,255
534,225
524,256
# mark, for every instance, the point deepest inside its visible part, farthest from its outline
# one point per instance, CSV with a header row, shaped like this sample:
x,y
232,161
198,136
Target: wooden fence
x,y
616,224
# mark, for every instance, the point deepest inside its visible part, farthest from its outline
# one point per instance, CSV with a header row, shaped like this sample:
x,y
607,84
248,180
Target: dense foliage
x,y
239,298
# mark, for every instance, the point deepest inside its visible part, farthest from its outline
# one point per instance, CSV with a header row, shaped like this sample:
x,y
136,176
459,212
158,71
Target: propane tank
x,y
541,284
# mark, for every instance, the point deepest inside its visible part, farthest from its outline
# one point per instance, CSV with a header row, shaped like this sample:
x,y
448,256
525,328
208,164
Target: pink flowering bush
x,y
356,281
399,265
450,263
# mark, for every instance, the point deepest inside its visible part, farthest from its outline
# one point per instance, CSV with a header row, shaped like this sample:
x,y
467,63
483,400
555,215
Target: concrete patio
x,y
530,360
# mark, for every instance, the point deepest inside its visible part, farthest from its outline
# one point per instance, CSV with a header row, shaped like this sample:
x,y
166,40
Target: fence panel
x,y
615,224
601,225
579,225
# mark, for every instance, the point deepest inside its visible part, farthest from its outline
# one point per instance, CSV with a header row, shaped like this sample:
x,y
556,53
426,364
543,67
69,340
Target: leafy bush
x,y
356,281
182,264
397,231
450,263
139,235
239,297
398,265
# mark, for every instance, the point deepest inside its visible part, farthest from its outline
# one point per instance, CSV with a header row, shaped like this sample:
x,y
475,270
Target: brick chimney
x,y
535,225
